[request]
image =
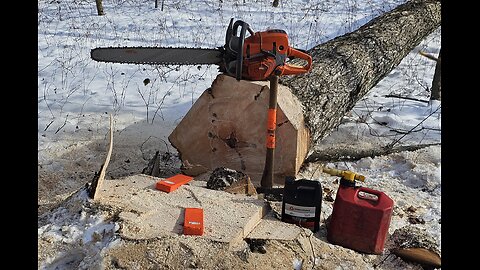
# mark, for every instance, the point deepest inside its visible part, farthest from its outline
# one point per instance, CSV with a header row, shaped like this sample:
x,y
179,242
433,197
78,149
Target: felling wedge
x,y
193,221
172,183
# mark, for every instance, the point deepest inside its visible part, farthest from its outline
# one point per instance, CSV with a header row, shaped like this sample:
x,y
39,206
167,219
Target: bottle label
x,y
299,211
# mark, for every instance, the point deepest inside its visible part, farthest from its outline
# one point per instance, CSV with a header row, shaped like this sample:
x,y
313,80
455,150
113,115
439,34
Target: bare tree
x,y
99,7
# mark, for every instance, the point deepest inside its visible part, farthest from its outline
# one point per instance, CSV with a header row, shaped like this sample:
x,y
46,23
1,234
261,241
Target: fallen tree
x,y
227,124
347,67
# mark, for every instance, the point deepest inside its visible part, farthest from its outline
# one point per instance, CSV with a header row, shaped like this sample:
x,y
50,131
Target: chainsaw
x,y
256,57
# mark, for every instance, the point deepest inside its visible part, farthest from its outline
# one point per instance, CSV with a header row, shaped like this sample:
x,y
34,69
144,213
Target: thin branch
x,y
390,145
351,154
48,125
402,131
45,99
429,56
144,101
62,125
141,146
409,98
370,129
313,250
382,261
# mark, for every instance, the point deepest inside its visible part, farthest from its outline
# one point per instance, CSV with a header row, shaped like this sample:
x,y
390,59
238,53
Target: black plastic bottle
x,y
302,203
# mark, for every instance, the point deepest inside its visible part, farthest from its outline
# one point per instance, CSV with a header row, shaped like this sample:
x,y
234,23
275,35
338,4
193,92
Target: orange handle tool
x,y
271,126
293,70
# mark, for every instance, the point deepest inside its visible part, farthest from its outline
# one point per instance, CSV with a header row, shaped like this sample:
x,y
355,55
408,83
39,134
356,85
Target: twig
x,y
195,197
313,250
381,262
62,125
406,131
101,177
144,101
48,126
409,98
159,108
45,99
141,146
429,56
314,171
166,145
390,145
370,129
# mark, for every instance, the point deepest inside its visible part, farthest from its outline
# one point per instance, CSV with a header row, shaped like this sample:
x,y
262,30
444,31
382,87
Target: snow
x,y
87,234
76,94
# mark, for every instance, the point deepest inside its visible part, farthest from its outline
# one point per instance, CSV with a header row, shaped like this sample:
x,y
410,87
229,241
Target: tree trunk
x,y
435,92
100,11
346,68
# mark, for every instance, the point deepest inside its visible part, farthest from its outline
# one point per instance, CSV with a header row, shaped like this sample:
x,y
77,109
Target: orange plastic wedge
x,y
193,224
172,183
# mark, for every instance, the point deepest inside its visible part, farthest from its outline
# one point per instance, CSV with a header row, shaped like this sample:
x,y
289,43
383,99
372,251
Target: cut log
x,y
227,127
227,124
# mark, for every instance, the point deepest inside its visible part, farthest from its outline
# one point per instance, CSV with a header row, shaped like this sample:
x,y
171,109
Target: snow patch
x,y
83,233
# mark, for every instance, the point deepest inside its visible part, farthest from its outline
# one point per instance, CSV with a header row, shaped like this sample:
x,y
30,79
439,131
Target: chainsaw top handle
x,y
234,46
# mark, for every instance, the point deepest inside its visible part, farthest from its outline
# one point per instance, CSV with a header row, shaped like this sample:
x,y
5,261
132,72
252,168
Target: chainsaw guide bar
x,y
157,55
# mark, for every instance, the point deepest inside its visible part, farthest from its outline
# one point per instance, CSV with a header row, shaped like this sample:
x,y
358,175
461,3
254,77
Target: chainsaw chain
x,y
195,51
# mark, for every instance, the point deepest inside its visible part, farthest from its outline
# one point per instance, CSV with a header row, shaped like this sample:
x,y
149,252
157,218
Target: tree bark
x,y
435,92
99,4
346,68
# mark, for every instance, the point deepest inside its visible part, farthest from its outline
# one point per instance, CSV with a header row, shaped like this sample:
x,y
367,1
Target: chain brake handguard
x,y
234,47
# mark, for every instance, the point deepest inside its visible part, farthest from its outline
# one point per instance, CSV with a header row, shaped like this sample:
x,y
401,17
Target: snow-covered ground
x,y
76,94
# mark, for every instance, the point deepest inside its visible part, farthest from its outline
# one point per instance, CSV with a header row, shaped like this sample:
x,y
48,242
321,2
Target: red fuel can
x,y
360,218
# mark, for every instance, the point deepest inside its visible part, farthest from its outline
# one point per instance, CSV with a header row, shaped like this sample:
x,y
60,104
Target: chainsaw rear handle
x,y
292,69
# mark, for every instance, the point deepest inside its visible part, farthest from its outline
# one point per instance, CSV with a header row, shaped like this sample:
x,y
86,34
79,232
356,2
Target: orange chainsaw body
x,y
265,53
